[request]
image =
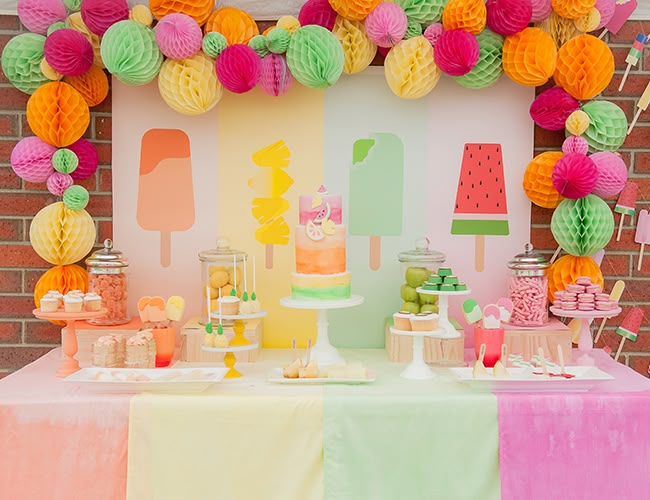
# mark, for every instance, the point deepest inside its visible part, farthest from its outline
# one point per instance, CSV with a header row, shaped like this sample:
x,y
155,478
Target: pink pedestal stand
x,y
69,365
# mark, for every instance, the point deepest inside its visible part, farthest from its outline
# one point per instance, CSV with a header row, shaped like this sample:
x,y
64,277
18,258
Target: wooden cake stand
x,y
418,369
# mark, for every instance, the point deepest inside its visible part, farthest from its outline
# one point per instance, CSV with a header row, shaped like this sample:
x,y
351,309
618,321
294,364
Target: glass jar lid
x,y
421,253
107,257
529,263
222,251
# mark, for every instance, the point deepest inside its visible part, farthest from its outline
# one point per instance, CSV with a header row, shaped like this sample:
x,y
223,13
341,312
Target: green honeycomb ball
x,y
76,197
259,44
583,226
55,26
423,11
277,40
607,126
65,161
214,43
315,57
488,69
21,62
413,29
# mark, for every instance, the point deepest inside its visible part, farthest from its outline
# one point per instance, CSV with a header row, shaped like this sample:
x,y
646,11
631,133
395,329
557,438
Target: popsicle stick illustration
x,y
377,190
271,183
629,328
633,56
644,100
615,295
622,12
642,234
626,204
165,190
481,208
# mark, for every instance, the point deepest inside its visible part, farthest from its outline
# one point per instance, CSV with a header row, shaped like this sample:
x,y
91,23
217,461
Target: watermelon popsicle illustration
x,y
376,190
481,208
629,328
626,204
165,189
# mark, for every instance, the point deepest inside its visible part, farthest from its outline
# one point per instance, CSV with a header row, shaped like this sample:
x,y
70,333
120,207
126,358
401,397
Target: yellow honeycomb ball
x,y
577,123
289,23
588,22
358,50
141,14
49,72
410,70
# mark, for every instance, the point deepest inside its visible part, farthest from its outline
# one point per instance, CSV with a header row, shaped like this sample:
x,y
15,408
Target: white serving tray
x,y
276,377
158,383
523,380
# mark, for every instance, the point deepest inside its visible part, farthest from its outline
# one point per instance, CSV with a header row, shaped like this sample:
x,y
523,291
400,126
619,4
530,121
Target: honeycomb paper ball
x,y
49,72
62,236
199,10
75,22
236,25
57,183
141,14
488,69
468,15
31,159
214,43
561,29
58,114
88,159
413,29
588,22
238,68
612,174
21,62
76,197
99,15
572,9
585,66
315,57
59,25
435,31
577,122
130,53
607,128
92,85
358,49
507,17
68,52
65,161
410,69
38,15
574,175
529,57
456,52
606,9
72,5
575,144
63,279
289,23
551,108
423,11
354,10
568,268
190,86
318,12
386,25
538,183
541,9
583,226
259,45
178,36
275,77
277,40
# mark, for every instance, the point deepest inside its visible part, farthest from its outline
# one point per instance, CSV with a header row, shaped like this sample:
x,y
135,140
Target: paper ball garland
x,y
529,57
456,52
21,60
58,114
435,31
92,85
606,9
551,108
65,161
76,23
317,12
488,69
57,183
315,57
577,122
76,197
31,159
354,10
541,10
99,15
607,128
538,184
88,159
358,49
68,52
38,15
214,43
568,268
575,144
236,25
178,36
612,174
507,17
238,68
468,15
275,77
259,45
574,175
199,10
410,69
572,9
386,25
277,40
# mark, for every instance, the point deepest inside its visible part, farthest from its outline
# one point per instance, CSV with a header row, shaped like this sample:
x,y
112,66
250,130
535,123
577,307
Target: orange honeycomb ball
x,y
234,24
468,15
529,57
538,184
572,9
199,10
62,279
354,10
92,85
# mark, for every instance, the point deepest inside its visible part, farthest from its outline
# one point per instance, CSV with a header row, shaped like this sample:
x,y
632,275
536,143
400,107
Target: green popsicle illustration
x,y
376,190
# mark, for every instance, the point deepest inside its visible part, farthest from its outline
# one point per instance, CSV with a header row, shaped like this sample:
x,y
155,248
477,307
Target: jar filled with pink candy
x,y
107,277
528,288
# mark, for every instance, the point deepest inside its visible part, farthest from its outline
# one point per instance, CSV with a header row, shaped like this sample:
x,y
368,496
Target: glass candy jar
x,y
528,288
416,266
107,277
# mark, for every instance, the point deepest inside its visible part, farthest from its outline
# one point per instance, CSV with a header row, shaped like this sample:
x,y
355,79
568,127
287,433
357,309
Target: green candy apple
x,y
415,276
429,308
428,299
411,307
408,294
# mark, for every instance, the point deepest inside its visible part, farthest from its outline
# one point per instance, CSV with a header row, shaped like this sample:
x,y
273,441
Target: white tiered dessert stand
x,y
418,369
323,352
443,310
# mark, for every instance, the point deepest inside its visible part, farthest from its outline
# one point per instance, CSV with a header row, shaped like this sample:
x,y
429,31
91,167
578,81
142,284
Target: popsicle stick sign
x,y
481,208
622,12
165,190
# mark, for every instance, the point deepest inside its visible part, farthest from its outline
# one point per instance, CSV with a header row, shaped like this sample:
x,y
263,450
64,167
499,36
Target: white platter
x,y
86,377
523,380
276,377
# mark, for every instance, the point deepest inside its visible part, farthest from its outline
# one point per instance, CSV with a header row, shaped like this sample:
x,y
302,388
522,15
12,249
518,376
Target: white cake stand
x,y
443,310
323,352
418,369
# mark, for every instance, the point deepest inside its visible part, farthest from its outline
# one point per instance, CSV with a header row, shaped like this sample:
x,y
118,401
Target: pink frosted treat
x,y
320,207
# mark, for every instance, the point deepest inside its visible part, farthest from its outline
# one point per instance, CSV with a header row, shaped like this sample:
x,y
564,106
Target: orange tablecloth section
x,y
59,441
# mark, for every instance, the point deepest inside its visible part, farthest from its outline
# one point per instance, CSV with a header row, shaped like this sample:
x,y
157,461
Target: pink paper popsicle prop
x,y
629,329
644,100
633,56
642,234
622,12
615,295
481,208
626,204
165,190
491,317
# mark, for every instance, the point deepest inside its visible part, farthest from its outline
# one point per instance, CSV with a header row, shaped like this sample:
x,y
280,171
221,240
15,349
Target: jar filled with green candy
x,y
416,267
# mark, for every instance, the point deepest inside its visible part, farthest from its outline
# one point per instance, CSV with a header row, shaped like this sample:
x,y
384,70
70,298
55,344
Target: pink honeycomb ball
x,y
575,144
612,174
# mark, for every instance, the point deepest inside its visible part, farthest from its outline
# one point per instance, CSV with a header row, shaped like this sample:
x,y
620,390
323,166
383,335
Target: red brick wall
x,y
23,338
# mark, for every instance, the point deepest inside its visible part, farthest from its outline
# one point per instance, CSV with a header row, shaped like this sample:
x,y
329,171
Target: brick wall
x,y
23,338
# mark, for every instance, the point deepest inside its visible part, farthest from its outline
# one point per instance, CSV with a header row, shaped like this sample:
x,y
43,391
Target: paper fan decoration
x,y
354,10
575,144
538,183
75,22
358,49
488,69
62,236
318,12
541,10
607,128
315,57
424,12
275,77
583,226
529,57
572,9
236,25
190,86
577,122
551,108
68,52
57,183
410,69
76,197
612,174
468,15
567,269
574,175
38,15
58,114
199,10
214,43
178,36
606,9
65,160
130,53
92,85
507,17
456,52
277,40
386,25
21,62
63,279
31,159
99,15
238,68
88,159
585,66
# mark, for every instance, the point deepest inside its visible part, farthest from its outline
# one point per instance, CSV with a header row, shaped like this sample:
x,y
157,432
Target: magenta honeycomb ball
x,y
574,176
456,52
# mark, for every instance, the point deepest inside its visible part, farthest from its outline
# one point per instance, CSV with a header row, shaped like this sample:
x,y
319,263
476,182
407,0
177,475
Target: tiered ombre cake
x,y
320,250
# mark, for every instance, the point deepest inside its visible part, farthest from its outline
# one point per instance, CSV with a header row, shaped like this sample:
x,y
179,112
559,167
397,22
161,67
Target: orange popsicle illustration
x,y
165,191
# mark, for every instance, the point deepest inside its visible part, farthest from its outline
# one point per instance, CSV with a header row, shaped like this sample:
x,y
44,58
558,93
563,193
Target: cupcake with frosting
x,y
49,303
402,320
73,303
58,295
92,302
424,322
229,305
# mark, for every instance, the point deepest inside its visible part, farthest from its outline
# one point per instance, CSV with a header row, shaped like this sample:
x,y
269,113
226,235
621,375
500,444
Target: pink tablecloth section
x,y
60,442
593,445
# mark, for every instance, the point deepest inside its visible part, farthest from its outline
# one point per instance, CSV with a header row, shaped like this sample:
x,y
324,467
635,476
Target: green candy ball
x,y
258,44
65,161
214,43
488,69
76,197
278,40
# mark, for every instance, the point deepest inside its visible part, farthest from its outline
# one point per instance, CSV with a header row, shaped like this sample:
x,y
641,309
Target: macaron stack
x,y
444,281
583,295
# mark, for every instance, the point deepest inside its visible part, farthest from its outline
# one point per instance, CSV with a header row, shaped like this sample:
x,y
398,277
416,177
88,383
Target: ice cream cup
x,y
165,343
402,321
229,305
493,340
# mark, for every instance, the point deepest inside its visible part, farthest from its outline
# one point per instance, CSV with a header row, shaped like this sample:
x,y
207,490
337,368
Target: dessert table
x,y
394,438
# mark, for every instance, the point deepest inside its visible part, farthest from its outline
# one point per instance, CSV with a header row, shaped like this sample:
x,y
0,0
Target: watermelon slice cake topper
x,y
481,208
